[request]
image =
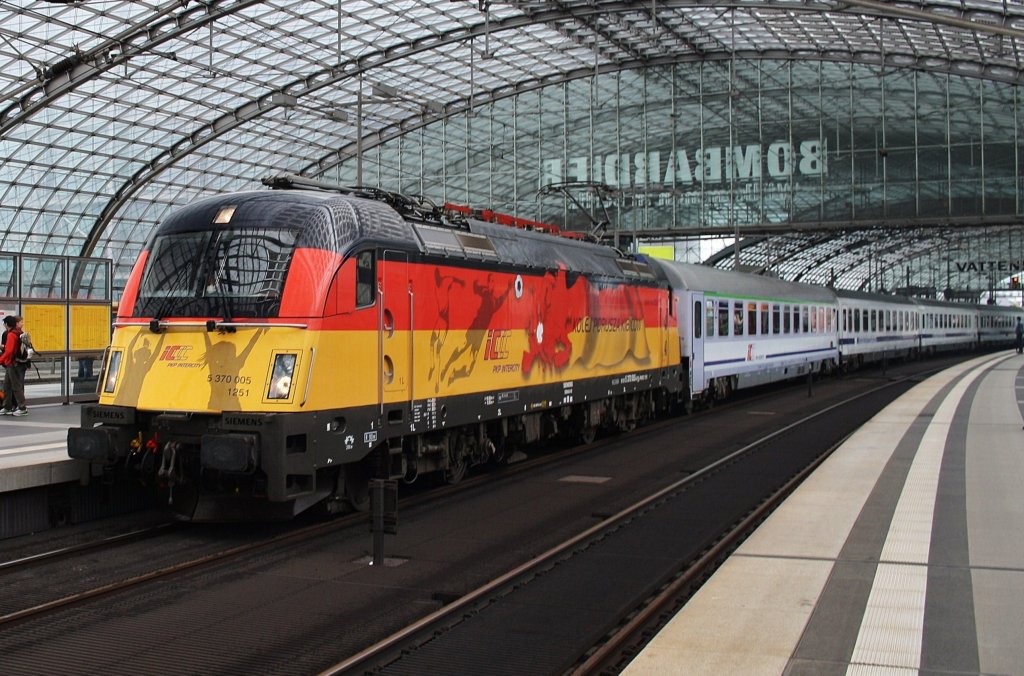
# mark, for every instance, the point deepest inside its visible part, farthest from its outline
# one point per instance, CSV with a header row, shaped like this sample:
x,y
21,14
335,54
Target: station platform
x,y
902,554
34,448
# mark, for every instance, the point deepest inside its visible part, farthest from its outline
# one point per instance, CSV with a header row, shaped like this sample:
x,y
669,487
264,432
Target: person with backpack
x,y
14,359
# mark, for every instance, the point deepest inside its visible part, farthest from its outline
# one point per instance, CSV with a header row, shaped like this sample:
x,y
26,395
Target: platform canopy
x,y
114,112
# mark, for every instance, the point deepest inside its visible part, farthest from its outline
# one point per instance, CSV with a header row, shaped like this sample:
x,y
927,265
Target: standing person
x,y
14,378
1019,332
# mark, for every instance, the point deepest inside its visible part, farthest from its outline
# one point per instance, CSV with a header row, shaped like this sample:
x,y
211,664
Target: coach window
x,y
709,318
776,318
787,316
365,278
723,318
764,319
751,319
737,318
697,325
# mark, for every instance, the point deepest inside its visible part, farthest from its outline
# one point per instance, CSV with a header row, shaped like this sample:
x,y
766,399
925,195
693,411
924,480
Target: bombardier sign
x,y
694,167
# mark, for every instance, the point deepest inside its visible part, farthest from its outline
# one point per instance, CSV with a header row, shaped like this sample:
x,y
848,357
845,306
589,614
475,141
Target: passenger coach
x,y
739,330
873,326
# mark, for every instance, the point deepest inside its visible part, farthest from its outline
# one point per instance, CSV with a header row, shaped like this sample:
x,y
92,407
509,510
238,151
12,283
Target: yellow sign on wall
x,y
663,251
90,327
46,324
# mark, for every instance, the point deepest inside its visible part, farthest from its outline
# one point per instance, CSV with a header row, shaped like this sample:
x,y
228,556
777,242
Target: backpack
x,y
23,353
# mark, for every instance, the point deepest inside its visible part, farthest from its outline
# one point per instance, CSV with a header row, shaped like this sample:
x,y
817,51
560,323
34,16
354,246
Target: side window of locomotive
x,y
341,296
366,279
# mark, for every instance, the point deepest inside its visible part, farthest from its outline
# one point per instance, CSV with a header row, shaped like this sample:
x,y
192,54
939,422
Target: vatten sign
x,y
989,266
694,167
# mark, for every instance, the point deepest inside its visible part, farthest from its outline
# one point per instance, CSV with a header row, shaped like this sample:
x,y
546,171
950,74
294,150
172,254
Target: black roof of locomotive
x,y
344,222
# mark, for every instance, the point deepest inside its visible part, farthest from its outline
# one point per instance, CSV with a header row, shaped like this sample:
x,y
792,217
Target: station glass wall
x,y
67,306
721,144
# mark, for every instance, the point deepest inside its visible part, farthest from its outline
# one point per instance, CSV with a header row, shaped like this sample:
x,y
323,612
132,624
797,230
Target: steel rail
x,y
610,651
57,554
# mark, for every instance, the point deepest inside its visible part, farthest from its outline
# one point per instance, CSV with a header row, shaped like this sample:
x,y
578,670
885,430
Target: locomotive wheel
x,y
453,474
357,487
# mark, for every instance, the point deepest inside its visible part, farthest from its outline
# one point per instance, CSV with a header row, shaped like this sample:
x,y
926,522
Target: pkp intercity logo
x,y
175,353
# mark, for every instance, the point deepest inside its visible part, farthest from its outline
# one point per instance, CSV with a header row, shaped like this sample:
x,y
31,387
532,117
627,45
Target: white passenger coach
x,y
739,330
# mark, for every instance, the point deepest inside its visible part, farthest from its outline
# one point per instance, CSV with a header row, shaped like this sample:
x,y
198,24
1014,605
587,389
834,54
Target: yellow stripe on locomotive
x,y
287,369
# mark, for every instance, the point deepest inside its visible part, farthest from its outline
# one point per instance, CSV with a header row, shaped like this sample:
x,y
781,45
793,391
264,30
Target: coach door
x,y
696,341
396,333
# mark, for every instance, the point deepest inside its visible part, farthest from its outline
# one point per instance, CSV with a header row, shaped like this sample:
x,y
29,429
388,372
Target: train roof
x,y
874,297
337,221
544,250
740,284
1001,309
324,220
945,305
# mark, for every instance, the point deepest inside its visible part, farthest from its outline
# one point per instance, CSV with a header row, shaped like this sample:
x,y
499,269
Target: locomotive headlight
x,y
113,370
281,377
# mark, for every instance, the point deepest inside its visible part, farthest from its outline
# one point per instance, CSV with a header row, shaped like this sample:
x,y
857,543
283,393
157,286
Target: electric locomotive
x,y
276,349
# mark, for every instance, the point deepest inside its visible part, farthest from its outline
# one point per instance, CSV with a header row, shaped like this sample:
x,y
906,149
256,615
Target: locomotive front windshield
x,y
230,273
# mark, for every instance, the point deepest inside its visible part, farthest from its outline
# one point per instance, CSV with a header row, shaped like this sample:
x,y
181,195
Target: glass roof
x,y
112,111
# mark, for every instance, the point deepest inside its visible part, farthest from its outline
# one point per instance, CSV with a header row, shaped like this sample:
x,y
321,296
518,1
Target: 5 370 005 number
x,y
228,379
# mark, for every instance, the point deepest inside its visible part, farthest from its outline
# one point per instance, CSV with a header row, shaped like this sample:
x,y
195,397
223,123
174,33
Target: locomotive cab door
x,y
395,336
695,311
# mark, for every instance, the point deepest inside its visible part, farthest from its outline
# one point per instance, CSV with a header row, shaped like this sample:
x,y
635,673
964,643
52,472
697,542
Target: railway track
x,y
225,564
452,635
